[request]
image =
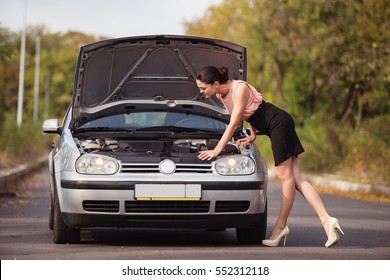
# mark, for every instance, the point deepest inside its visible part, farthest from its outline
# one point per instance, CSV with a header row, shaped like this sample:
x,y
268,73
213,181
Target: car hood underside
x,y
150,73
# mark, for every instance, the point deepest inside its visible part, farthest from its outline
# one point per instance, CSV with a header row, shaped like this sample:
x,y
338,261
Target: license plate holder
x,y
168,191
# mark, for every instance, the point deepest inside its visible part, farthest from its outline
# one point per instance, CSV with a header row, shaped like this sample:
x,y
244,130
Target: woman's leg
x,y
310,194
286,176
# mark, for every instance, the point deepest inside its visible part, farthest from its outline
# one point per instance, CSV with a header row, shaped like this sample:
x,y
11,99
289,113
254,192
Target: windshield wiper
x,y
102,128
176,129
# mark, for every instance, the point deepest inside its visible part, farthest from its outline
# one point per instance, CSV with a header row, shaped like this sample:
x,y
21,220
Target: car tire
x,y
62,233
51,213
253,235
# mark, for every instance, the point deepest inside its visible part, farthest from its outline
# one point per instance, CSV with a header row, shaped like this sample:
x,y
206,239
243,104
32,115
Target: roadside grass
x,y
20,145
357,154
353,156
375,197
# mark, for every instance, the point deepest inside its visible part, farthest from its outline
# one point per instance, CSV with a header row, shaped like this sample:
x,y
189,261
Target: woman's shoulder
x,y
236,83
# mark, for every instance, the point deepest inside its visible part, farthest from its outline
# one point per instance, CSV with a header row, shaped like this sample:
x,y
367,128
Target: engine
x,y
179,150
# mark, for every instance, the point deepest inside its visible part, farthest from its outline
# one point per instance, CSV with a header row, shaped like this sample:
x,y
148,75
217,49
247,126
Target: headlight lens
x,y
235,165
96,164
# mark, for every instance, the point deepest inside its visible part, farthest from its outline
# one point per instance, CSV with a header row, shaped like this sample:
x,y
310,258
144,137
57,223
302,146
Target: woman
x,y
244,103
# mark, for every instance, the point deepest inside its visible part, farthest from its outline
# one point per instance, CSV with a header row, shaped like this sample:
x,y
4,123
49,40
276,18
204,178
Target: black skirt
x,y
279,126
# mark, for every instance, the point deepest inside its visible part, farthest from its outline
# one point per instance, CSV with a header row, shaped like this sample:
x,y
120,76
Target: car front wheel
x,y
62,233
51,213
253,235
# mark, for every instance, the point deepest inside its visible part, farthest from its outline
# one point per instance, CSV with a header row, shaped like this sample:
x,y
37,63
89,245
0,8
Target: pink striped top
x,y
254,100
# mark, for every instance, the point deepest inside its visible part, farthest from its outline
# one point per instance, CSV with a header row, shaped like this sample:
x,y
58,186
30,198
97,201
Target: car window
x,y
156,119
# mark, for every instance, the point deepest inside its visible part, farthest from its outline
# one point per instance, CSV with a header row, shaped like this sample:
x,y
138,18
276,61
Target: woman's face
x,y
206,90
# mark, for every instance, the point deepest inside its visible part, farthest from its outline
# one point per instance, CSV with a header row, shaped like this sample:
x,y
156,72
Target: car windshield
x,y
155,121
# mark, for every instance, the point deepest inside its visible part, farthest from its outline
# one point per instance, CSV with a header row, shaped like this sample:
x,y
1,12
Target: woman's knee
x,y
285,173
299,180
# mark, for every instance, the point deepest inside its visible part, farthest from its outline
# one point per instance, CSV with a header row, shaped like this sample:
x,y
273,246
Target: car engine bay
x,y
153,150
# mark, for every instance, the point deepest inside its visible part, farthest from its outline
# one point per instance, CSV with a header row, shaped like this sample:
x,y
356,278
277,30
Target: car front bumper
x,y
113,204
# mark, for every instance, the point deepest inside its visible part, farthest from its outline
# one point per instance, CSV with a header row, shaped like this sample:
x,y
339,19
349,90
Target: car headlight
x,y
235,165
96,164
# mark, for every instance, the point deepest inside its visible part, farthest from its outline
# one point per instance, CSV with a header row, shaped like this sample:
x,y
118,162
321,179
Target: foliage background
x,y
324,61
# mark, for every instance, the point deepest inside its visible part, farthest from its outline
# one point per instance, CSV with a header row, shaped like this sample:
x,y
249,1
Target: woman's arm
x,y
240,100
250,138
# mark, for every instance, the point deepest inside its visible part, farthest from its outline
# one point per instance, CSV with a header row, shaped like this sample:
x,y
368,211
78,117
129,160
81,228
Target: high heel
x,y
333,237
275,242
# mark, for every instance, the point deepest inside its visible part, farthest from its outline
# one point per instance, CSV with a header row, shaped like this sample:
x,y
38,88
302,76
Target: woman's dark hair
x,y
211,74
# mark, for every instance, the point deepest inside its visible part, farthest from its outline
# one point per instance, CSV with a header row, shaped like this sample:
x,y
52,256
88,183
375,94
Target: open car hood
x,y
147,73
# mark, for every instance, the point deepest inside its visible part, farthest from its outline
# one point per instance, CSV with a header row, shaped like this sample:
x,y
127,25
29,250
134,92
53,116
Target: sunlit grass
x,y
375,197
21,145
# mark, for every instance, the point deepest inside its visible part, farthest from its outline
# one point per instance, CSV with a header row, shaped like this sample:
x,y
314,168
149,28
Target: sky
x,y
109,18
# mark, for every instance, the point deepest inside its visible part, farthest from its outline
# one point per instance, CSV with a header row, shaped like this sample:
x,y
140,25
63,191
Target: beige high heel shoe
x,y
275,242
333,237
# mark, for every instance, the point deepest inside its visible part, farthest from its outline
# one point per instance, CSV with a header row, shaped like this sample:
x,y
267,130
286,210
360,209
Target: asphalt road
x,y
25,234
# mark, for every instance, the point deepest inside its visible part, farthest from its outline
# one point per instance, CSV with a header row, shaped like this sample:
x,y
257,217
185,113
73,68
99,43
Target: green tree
x,y
7,70
325,61
58,60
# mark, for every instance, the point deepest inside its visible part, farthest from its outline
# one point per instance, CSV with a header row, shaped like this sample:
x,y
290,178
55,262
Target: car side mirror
x,y
51,126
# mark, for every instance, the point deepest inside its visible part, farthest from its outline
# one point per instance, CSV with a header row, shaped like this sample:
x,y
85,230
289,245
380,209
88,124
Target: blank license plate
x,y
168,191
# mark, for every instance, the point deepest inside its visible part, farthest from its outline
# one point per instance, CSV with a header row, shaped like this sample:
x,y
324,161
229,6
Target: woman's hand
x,y
246,140
207,155
250,139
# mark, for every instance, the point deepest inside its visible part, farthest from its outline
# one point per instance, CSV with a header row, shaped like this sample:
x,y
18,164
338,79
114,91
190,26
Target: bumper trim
x,y
164,221
130,185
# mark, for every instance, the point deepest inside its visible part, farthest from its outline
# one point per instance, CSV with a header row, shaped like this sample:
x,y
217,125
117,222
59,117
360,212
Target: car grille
x,y
231,206
155,168
112,206
101,206
167,206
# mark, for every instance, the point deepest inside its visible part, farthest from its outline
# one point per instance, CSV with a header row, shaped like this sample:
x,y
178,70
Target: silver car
x,y
127,151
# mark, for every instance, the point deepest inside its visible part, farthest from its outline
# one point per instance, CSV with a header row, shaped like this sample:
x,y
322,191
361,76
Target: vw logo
x,y
167,166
